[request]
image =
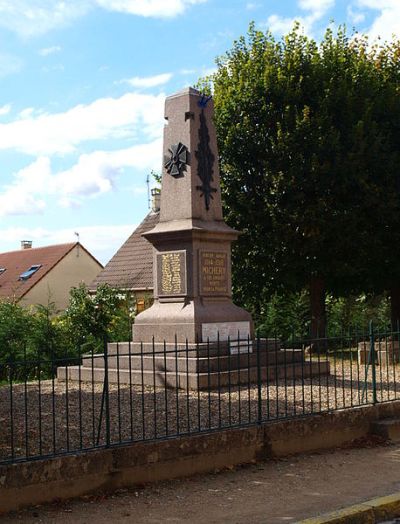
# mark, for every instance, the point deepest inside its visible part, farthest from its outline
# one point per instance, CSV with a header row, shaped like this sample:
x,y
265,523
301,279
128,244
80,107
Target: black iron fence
x,y
136,392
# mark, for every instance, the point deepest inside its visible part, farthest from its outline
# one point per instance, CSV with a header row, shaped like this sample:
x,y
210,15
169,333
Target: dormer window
x,y
32,270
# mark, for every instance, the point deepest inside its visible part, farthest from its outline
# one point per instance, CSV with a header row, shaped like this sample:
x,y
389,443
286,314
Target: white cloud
x,y
60,133
21,197
101,241
147,8
26,113
317,6
282,25
355,17
93,174
50,50
4,110
387,23
317,9
57,67
148,81
377,4
17,204
208,71
97,173
251,6
35,17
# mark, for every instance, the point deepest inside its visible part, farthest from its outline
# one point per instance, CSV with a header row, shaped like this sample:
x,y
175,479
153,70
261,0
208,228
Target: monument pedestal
x,y
204,367
196,320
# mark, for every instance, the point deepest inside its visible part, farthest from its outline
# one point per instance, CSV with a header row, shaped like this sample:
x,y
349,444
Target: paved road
x,y
272,492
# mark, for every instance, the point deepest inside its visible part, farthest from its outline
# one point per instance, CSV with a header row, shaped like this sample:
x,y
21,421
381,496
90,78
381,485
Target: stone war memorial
x,y
193,336
192,243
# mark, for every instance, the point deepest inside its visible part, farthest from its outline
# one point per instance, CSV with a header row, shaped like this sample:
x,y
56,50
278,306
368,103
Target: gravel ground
x,y
54,417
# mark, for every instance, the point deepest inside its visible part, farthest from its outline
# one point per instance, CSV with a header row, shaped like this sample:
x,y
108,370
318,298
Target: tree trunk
x,y
318,313
395,307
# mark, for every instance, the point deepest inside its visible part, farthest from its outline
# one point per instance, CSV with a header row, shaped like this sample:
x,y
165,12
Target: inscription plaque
x,y
171,273
213,273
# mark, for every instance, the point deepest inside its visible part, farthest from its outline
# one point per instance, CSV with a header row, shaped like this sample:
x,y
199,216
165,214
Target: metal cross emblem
x,y
176,163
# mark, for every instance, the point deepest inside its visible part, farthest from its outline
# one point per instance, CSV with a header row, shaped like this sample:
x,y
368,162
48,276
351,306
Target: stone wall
x,y
70,476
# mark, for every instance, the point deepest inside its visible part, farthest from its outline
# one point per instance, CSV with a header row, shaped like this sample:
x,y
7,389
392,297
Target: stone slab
x,y
172,361
222,331
201,349
383,357
389,429
196,381
238,334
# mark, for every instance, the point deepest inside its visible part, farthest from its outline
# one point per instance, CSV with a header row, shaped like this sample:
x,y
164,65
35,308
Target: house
x,y
45,274
131,268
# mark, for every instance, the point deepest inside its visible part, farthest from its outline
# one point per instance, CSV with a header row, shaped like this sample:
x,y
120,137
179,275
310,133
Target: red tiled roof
x,y
132,265
16,262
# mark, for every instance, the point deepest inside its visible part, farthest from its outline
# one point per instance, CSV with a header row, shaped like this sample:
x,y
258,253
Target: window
x,y
27,274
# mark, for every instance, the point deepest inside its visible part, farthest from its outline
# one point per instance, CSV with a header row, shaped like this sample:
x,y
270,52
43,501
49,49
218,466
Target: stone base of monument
x,y
385,354
208,366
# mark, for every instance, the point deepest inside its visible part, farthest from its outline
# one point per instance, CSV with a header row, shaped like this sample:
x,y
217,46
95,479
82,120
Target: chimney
x,y
155,199
26,244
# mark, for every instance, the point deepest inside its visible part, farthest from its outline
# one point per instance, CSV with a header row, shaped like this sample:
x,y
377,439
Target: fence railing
x,y
135,392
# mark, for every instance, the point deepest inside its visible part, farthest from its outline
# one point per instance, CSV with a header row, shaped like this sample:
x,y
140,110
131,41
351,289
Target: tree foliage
x,y
308,140
89,318
287,316
42,340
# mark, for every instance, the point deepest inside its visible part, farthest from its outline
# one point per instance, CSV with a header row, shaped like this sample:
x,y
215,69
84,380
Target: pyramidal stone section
x,y
193,336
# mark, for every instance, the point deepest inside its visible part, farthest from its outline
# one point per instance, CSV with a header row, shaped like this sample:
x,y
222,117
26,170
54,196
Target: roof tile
x,y
16,262
132,265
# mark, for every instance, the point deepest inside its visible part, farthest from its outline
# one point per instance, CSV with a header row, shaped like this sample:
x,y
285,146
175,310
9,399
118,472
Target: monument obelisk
x,y
192,243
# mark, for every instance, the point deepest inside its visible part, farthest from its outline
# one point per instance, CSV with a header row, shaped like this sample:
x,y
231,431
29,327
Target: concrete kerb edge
x,y
369,512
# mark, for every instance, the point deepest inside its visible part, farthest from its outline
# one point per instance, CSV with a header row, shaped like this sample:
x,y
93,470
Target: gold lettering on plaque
x,y
214,272
171,274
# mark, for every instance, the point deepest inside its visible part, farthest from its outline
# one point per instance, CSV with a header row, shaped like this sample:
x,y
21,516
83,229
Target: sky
x,y
82,90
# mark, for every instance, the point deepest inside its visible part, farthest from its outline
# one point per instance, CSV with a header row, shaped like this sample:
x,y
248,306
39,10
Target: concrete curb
x,y
369,512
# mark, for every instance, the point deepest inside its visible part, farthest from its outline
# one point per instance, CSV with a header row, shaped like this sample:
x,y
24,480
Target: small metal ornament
x,y
204,101
205,162
176,163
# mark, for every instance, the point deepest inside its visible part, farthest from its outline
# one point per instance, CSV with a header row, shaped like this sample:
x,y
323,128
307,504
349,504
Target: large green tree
x,y
309,154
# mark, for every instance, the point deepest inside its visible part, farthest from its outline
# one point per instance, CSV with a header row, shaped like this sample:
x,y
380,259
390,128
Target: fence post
x,y
106,392
372,354
259,390
11,391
